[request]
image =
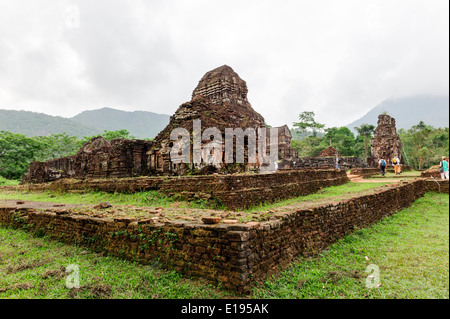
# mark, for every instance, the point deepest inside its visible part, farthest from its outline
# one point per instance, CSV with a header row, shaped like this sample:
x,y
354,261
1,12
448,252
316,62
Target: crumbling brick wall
x,y
322,163
97,158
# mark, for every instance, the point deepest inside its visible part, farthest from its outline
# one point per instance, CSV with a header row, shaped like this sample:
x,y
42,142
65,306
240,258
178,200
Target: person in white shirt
x,y
397,167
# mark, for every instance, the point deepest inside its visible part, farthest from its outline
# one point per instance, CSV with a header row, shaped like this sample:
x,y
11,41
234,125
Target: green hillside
x,y
40,124
141,124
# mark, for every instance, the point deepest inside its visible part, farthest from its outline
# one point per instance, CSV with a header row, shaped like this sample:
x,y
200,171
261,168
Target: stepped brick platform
x,y
234,255
236,191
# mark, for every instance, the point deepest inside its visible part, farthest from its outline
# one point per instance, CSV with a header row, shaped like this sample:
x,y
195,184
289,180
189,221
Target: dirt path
x,y
17,203
360,179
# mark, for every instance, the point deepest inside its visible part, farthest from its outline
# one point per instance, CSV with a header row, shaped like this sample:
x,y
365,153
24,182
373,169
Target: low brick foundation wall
x,y
232,191
322,163
430,173
234,255
365,172
369,171
437,185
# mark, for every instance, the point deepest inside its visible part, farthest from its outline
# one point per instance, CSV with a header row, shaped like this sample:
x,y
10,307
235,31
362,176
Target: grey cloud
x,y
338,59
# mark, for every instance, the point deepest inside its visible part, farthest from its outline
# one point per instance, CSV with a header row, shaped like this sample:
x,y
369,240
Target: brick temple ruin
x,y
385,142
329,152
219,101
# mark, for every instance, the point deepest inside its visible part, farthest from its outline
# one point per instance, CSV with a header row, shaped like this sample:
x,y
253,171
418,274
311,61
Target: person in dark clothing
x,y
382,166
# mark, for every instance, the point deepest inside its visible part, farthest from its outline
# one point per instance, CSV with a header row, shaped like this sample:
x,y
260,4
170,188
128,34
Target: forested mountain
x,y
40,124
409,111
140,124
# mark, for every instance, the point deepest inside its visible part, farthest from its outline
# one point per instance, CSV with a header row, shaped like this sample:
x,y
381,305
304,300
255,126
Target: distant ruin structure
x,y
385,142
329,152
97,158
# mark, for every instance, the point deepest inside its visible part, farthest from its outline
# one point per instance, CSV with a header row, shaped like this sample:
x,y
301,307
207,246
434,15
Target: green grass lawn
x,y
332,192
150,198
8,182
407,174
154,199
410,248
32,267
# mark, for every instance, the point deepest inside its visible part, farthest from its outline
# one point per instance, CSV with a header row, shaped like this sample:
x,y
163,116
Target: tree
x,y
341,138
306,122
307,147
16,153
424,145
56,146
420,137
109,135
366,131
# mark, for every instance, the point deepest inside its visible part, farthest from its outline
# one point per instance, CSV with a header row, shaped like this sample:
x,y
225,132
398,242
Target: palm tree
x,y
365,130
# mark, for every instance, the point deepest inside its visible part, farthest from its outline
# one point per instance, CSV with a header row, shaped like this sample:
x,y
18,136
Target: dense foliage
x,y
423,145
17,150
311,137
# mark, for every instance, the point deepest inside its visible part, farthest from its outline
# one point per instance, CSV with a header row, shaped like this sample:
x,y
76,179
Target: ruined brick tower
x,y
219,101
227,95
385,142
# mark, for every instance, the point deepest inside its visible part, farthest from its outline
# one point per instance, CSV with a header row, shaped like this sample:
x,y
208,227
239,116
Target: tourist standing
x,y
338,161
382,166
443,168
396,162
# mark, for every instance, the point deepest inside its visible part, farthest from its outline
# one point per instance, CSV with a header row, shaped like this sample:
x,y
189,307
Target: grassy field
x,y
182,210
328,193
8,182
410,249
154,199
150,198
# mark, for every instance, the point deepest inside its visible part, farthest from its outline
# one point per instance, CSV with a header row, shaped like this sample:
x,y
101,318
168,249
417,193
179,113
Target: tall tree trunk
x,y
366,150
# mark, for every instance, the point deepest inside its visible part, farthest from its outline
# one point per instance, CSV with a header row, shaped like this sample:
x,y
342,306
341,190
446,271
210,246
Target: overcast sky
x,y
336,58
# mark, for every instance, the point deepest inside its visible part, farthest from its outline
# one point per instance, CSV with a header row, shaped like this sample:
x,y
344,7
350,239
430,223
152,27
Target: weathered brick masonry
x,y
97,158
234,255
322,163
233,191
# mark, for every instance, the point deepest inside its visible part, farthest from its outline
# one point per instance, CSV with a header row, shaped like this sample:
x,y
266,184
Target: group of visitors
x,y
443,166
395,161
